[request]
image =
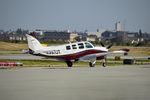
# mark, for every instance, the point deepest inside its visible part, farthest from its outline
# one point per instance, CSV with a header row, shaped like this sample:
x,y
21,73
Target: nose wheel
x,y
104,62
91,64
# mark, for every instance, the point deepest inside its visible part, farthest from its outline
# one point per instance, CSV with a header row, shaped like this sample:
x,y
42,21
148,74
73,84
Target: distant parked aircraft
x,y
71,52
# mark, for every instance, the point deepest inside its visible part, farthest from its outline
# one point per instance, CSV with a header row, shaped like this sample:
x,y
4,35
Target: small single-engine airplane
x,y
71,52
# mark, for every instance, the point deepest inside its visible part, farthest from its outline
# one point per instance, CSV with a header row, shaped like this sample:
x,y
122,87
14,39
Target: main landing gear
x,y
69,63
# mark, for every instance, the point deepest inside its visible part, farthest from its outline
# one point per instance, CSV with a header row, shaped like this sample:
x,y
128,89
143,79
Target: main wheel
x,y
69,63
91,64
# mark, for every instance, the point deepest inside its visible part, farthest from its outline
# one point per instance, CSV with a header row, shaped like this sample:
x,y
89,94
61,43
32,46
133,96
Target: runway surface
x,y
110,83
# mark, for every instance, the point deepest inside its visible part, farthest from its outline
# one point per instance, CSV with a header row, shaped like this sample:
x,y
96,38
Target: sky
x,y
76,15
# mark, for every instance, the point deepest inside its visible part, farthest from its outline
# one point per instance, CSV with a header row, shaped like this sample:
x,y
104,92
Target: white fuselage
x,y
71,50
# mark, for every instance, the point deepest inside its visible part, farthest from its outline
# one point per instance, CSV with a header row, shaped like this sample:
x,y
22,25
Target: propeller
x,y
108,47
102,44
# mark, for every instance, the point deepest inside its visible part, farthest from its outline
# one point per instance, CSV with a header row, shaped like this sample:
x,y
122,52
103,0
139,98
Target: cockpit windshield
x,y
88,45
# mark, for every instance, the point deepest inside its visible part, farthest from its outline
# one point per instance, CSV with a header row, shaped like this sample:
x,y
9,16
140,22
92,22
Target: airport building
x,y
12,36
113,36
17,37
119,26
92,38
124,37
46,35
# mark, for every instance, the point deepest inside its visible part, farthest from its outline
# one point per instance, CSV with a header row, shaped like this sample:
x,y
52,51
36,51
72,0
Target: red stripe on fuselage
x,y
80,54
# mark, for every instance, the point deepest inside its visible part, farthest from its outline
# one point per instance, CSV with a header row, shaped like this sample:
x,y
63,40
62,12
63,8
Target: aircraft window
x,y
88,45
74,46
68,47
81,46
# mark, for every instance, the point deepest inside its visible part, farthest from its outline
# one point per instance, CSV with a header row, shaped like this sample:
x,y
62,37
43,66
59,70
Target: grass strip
x,y
49,63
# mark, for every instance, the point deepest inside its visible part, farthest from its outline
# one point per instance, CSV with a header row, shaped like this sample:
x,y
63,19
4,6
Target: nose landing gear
x,y
91,64
104,62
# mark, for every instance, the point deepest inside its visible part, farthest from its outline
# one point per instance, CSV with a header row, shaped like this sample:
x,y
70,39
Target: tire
x,y
91,64
69,63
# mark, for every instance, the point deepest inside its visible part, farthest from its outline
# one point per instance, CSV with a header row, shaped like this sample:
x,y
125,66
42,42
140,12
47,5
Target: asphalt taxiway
x,y
109,83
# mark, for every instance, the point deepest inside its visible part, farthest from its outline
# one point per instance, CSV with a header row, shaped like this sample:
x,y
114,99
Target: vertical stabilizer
x,y
33,43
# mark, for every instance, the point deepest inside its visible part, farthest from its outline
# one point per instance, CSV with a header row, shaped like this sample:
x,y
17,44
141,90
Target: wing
x,y
93,56
119,52
101,55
